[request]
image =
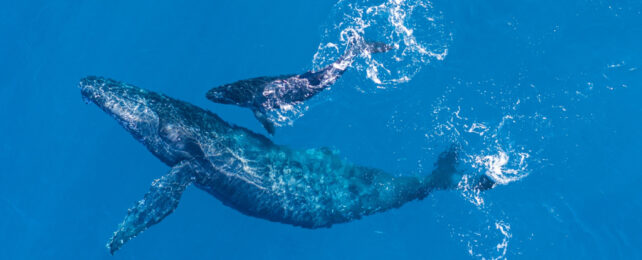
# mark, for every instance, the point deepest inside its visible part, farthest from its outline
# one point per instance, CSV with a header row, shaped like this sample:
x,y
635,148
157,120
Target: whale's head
x,y
233,94
223,95
154,119
245,93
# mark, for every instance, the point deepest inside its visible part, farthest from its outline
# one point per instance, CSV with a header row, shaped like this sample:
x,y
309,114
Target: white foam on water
x,y
489,241
413,28
497,166
491,148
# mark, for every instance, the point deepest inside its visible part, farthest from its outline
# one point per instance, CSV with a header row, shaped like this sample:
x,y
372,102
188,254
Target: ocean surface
x,y
542,96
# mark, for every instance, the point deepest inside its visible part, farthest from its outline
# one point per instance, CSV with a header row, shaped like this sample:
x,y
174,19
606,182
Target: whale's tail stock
x,y
447,176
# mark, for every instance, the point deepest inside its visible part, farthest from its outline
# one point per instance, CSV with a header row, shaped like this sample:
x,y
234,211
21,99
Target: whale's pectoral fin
x,y
262,117
160,201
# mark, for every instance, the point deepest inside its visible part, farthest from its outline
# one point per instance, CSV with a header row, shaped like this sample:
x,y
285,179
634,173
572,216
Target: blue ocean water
x,y
541,95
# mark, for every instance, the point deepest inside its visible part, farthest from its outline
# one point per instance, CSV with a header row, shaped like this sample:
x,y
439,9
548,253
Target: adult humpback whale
x,y
246,171
264,94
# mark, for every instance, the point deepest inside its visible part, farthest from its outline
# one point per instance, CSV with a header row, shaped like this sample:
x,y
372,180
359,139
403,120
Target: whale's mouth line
x,y
86,99
127,111
84,92
90,95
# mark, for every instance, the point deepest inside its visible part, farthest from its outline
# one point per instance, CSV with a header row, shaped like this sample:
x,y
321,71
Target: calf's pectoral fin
x,y
262,117
160,201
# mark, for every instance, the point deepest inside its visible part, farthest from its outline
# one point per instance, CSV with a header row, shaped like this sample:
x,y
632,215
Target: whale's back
x,y
309,188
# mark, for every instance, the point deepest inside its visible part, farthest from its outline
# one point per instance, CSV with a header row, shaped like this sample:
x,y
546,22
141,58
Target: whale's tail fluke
x,y
357,47
377,47
329,74
447,176
158,203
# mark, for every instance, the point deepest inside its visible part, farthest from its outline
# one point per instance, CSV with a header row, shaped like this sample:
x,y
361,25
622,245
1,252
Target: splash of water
x,y
477,241
412,27
497,148
495,166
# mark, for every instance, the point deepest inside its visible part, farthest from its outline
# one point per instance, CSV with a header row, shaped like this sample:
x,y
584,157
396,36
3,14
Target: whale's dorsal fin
x,y
265,121
160,201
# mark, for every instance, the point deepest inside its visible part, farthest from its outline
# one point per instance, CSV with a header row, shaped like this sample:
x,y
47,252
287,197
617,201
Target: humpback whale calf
x,y
311,188
264,94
